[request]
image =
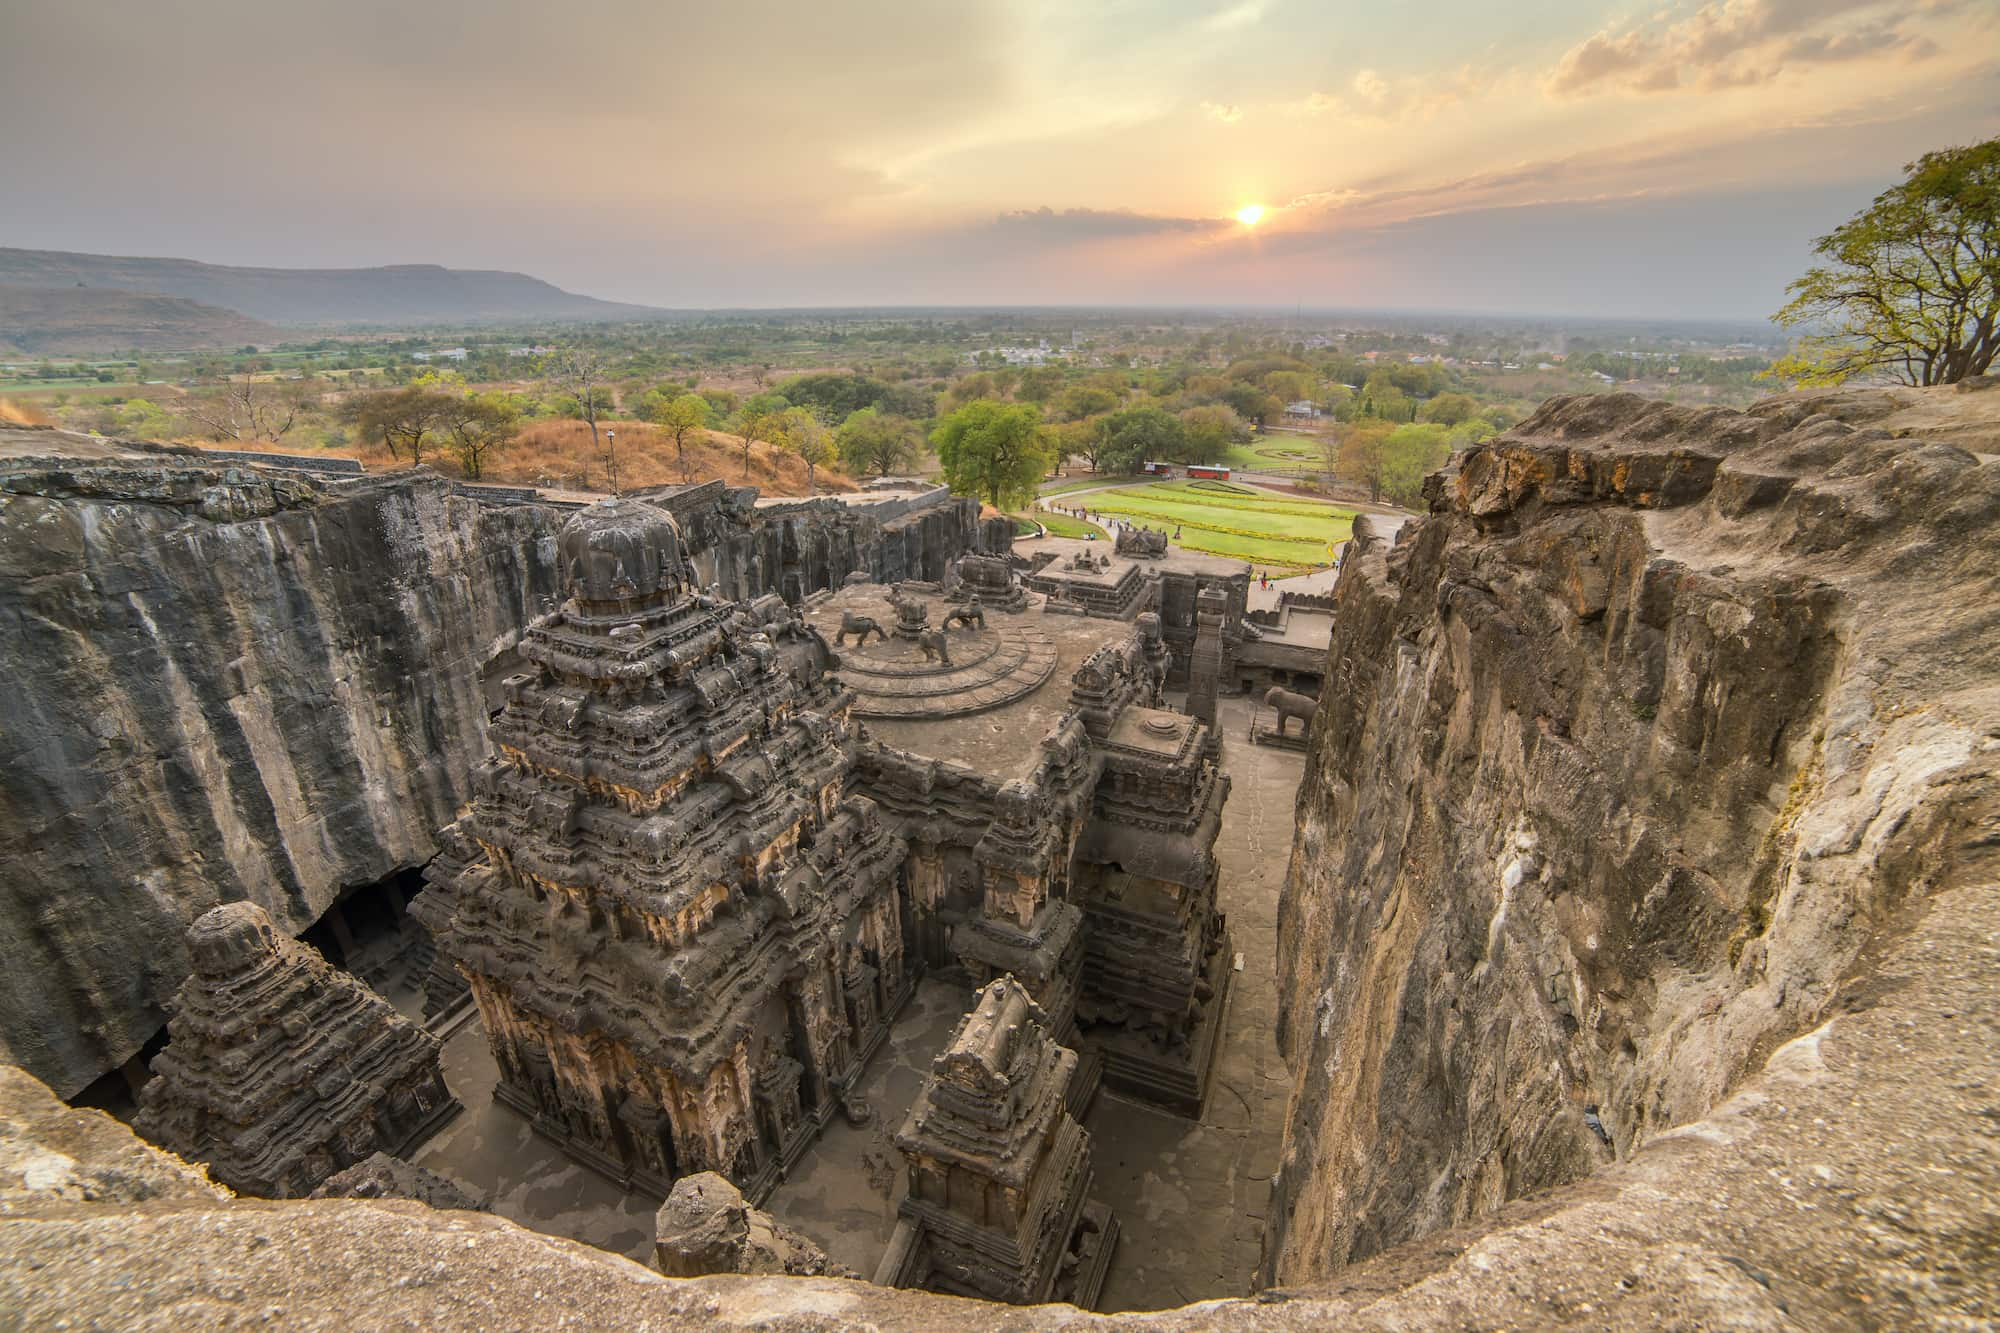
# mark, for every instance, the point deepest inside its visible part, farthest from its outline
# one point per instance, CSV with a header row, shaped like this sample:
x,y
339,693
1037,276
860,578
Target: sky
x,y
1538,156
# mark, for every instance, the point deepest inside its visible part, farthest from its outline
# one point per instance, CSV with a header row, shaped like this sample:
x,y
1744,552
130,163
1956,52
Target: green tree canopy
x,y
1909,286
1210,430
836,396
1141,433
804,434
1086,400
872,442
684,418
1409,454
996,450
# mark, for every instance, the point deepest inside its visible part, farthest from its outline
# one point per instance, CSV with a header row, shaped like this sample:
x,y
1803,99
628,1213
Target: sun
x,y
1250,214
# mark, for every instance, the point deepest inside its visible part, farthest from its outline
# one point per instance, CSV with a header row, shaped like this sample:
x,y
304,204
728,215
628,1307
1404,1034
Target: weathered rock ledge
x,y
1635,756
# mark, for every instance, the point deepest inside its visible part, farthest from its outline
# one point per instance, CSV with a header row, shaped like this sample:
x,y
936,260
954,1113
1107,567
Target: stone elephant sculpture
x,y
1288,705
933,642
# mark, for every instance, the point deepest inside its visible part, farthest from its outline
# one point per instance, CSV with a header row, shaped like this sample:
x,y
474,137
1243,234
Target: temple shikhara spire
x,y
681,932
283,1070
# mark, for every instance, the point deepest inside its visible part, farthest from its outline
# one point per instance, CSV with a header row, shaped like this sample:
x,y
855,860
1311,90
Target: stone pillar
x,y
1205,664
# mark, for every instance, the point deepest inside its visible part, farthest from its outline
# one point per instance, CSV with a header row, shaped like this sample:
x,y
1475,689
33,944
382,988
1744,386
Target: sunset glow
x,y
1453,155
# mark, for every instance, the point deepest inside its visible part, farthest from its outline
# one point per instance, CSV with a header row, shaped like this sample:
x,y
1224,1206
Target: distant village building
x,y
444,354
1302,410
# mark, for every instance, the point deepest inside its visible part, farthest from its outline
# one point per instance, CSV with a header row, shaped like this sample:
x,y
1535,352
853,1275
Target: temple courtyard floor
x,y
1190,1195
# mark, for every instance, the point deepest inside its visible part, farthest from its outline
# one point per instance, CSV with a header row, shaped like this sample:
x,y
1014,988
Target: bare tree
x,y
246,410
580,372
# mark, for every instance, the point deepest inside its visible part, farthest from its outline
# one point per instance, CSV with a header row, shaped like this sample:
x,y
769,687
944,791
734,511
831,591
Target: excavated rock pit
x,y
1638,956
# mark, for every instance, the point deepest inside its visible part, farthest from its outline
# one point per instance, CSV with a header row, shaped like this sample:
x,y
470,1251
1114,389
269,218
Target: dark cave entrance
x,y
368,932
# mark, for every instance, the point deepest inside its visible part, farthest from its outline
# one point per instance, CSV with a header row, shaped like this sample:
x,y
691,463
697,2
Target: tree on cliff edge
x,y
1910,286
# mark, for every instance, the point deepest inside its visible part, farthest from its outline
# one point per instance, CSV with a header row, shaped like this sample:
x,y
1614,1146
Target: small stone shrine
x,y
999,1171
683,935
281,1070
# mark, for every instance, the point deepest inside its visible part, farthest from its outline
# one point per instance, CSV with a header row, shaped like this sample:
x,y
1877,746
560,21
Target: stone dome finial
x,y
230,938
622,550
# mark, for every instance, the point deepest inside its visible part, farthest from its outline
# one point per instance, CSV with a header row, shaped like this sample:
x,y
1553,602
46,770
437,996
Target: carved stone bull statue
x,y
1288,706
861,626
932,641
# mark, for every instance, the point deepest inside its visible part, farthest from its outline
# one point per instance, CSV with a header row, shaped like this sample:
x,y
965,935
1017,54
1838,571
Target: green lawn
x,y
1274,452
1062,525
1235,522
1080,484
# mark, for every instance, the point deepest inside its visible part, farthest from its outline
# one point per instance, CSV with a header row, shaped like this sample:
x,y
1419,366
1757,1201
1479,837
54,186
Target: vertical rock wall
x,y
1626,753
222,686
225,683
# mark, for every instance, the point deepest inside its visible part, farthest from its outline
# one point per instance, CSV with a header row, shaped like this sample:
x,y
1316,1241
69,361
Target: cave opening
x,y
367,931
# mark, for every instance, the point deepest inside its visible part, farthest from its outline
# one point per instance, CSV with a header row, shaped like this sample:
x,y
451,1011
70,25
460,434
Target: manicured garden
x,y
1239,522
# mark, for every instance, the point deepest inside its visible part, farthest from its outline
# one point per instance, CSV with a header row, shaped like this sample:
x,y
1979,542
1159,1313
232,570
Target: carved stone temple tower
x,y
681,933
1000,1172
282,1070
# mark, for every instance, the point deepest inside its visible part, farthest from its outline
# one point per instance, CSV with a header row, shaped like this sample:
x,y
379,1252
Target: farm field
x,y
1235,521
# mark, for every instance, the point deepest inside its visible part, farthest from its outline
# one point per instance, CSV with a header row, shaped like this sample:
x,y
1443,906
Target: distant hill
x,y
76,321
404,294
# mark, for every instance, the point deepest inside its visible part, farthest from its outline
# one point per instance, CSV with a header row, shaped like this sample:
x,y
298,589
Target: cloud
x,y
1741,43
1236,16
1226,112
1380,100
1081,224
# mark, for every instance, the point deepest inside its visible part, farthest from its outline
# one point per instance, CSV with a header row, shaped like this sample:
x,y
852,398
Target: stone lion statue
x,y
861,626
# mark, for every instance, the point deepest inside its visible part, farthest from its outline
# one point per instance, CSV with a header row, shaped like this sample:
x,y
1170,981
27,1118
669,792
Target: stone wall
x,y
231,683
224,684
1628,752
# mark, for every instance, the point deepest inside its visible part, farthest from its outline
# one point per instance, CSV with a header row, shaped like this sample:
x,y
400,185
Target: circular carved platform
x,y
989,667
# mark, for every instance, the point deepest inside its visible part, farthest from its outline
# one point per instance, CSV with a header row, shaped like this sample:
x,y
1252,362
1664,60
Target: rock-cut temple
x,y
715,845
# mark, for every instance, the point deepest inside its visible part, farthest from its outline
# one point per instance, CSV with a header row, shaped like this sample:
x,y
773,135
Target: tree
x,y
1141,433
999,450
411,418
683,418
980,384
1409,454
1210,430
480,426
1356,453
1253,404
754,425
1448,409
247,410
1910,285
580,373
805,435
1038,384
872,442
1086,400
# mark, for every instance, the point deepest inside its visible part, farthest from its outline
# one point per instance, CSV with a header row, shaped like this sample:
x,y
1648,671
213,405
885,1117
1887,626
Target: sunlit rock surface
x,y
1633,755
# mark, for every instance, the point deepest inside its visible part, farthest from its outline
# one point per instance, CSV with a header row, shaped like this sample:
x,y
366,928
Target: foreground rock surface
x,y
1633,757
1851,1184
706,1227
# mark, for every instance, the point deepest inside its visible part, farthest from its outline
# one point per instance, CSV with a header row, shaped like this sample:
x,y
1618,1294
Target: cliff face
x,y
230,682
223,684
1657,723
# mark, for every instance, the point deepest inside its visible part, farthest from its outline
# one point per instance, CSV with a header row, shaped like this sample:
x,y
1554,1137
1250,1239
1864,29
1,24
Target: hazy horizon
x,y
1551,161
